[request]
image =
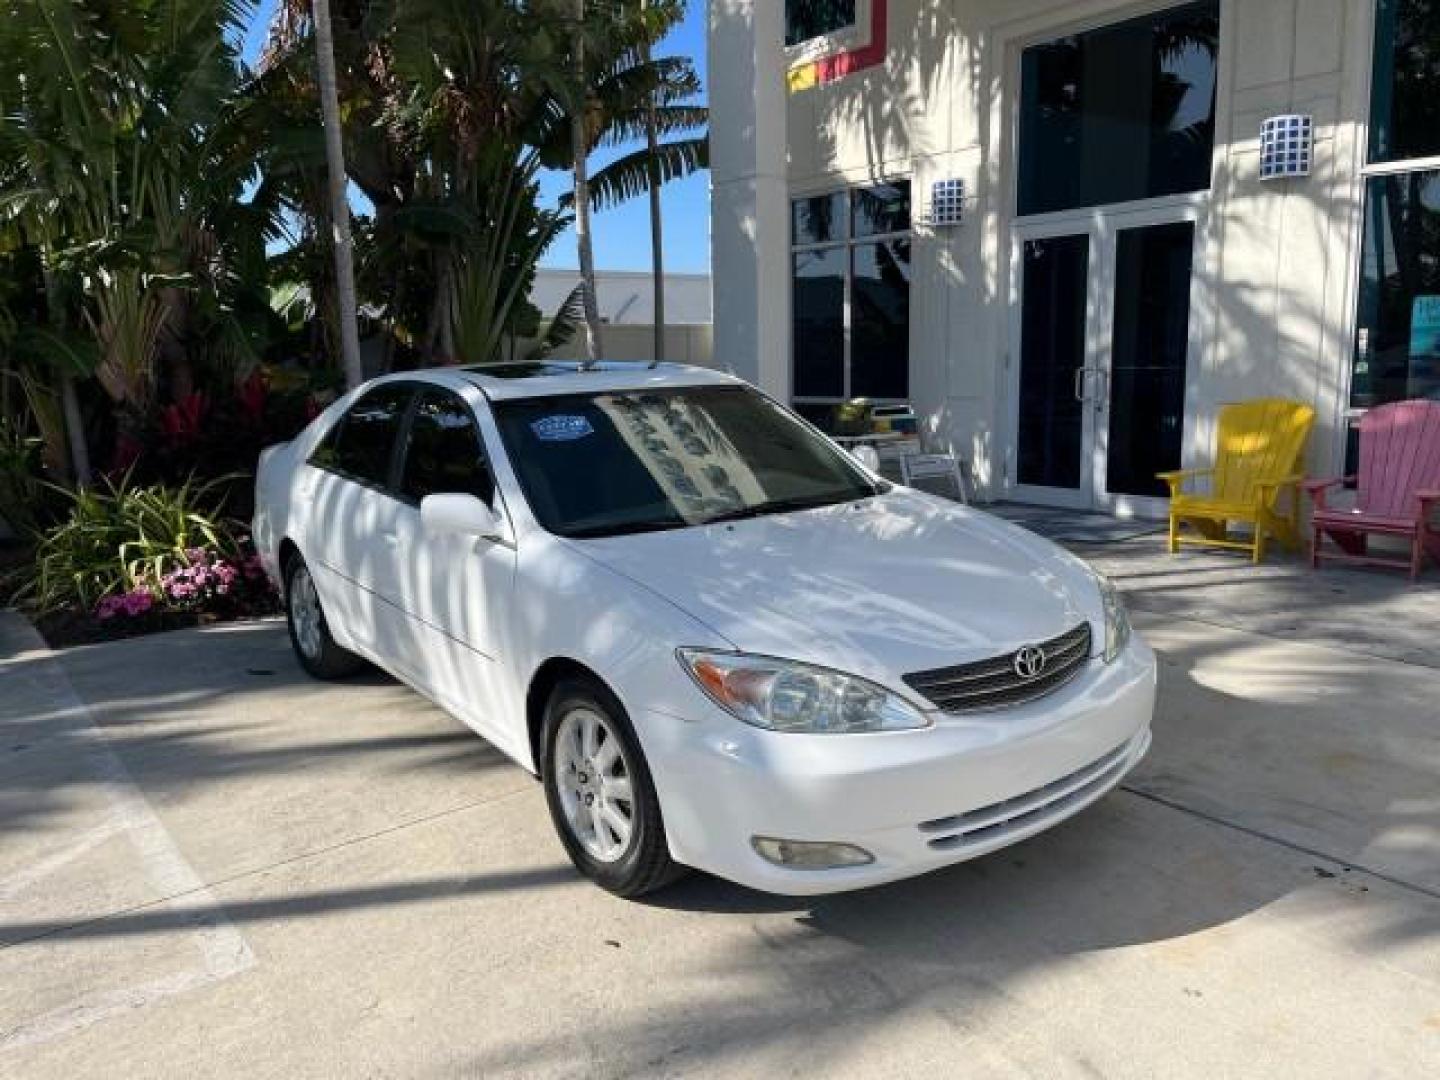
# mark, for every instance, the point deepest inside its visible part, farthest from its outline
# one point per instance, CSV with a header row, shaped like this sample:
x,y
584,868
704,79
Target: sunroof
x,y
529,370
539,369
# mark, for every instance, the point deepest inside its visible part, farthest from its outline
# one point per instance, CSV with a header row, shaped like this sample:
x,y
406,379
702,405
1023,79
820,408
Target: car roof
x,y
550,378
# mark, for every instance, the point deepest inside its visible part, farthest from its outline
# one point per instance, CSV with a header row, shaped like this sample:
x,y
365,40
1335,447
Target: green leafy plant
x,y
21,488
117,537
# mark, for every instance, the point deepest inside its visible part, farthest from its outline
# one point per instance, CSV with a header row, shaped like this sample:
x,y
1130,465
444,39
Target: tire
x,y
584,778
310,635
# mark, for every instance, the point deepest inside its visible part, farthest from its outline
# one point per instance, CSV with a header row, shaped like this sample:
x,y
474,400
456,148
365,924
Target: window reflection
x,y
1405,100
1150,344
884,208
880,340
818,219
850,296
819,317
1052,350
1397,354
806,19
1121,113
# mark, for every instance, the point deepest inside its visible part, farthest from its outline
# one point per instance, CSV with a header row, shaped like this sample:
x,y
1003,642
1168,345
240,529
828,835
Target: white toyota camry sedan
x,y
718,640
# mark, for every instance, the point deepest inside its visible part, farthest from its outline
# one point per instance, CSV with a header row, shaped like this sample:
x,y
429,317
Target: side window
x,y
444,454
360,444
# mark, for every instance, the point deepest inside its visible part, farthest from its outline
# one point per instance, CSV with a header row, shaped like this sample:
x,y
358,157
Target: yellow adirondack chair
x,y
1258,457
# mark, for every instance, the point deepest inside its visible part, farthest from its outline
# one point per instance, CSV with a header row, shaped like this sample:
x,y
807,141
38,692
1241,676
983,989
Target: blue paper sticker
x,y
561,428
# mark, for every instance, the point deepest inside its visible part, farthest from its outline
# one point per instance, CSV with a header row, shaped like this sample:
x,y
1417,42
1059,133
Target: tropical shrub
x,y
202,583
118,537
210,582
131,605
22,491
219,436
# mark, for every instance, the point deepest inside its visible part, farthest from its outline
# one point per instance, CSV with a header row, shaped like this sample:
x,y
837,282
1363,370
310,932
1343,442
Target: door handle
x,y
1080,373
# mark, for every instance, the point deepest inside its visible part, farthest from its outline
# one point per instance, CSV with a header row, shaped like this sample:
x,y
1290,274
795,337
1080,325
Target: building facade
x,y
1069,232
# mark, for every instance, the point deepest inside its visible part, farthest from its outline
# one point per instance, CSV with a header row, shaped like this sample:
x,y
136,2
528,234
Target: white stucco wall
x,y
1276,266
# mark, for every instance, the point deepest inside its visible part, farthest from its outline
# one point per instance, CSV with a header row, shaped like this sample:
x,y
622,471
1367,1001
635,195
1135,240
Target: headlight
x,y
1117,621
783,695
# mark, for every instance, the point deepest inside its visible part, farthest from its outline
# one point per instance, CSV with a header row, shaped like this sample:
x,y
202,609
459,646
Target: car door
x,y
351,539
456,588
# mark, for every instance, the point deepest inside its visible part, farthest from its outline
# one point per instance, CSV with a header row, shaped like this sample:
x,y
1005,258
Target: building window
x,y
1122,113
1397,345
807,19
851,297
1405,95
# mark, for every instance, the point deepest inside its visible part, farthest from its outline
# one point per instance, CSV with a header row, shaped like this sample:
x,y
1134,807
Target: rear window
x,y
361,443
444,454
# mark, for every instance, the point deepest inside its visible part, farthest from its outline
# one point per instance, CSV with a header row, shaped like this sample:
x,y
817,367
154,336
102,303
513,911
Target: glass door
x,y
1053,425
1104,333
1140,402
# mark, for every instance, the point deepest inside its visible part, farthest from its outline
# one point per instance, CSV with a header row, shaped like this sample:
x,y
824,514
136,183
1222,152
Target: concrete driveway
x,y
212,866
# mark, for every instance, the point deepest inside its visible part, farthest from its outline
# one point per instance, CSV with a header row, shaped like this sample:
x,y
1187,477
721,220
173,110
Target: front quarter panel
x,y
569,606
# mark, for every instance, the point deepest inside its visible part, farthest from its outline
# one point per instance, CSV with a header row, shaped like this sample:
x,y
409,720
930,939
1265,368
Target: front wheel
x,y
310,636
600,794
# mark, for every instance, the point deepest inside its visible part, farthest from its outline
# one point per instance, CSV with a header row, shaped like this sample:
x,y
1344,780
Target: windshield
x,y
611,463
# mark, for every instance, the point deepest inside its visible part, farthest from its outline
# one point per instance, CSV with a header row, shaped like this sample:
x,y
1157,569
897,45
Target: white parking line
x,y
223,951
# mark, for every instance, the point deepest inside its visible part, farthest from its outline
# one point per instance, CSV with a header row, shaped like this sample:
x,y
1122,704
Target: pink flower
x,y
132,604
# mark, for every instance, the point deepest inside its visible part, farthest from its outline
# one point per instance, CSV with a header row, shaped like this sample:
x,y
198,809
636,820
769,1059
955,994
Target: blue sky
x,y
622,235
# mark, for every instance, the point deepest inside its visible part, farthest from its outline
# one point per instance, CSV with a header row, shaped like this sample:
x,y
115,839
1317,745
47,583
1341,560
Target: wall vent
x,y
947,203
1287,147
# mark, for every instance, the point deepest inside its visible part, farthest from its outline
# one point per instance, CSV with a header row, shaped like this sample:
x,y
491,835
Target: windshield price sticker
x,y
561,428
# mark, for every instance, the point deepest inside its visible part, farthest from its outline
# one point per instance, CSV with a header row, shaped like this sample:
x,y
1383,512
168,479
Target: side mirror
x,y
460,515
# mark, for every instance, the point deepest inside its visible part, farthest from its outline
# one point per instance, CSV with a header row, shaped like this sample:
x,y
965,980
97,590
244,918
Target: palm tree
x,y
657,240
439,98
429,87
339,202
631,96
580,153
113,166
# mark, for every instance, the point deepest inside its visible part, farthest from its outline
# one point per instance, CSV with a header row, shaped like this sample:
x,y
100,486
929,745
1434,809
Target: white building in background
x,y
1053,226
627,308
627,298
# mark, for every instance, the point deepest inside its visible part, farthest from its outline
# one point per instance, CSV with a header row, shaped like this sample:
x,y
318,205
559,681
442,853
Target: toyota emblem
x,y
1029,662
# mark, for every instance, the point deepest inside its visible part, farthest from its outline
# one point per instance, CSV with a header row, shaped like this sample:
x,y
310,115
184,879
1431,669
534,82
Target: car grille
x,y
996,683
995,822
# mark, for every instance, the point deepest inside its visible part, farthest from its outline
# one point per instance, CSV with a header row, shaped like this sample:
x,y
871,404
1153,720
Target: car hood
x,y
893,584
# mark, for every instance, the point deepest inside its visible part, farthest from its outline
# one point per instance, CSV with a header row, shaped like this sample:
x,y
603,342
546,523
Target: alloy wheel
x,y
593,779
305,614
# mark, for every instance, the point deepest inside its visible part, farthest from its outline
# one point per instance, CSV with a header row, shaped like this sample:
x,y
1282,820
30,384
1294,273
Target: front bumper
x,y
917,800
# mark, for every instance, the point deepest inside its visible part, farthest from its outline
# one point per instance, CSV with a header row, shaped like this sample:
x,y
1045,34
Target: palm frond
x,y
562,327
669,120
629,176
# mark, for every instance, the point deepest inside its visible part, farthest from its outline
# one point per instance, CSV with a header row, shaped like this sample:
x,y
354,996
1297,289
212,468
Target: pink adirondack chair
x,y
1397,492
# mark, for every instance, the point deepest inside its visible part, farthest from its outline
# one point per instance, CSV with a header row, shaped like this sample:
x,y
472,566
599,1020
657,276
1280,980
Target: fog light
x,y
804,855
